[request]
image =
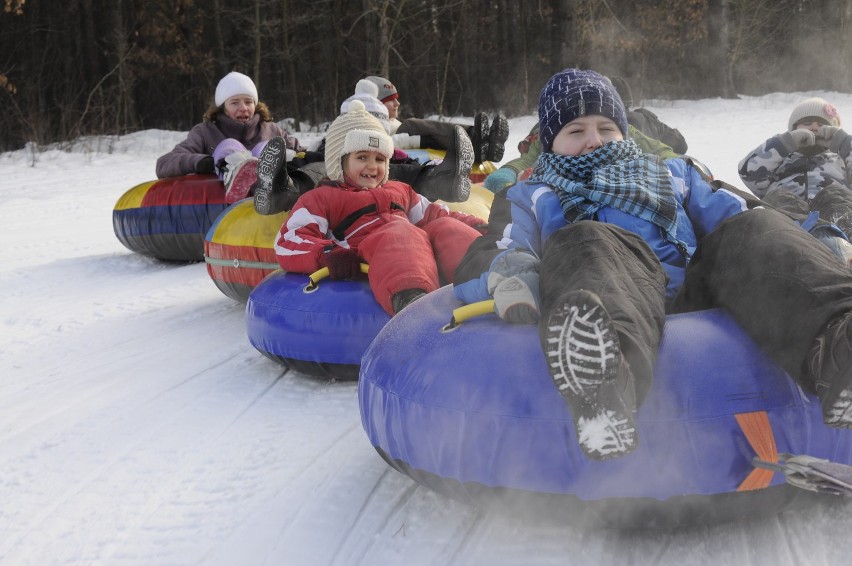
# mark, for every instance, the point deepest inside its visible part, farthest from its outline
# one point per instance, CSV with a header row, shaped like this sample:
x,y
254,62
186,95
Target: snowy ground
x,y
138,426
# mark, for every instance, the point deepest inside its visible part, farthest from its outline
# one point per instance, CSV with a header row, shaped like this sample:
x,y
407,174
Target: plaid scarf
x,y
619,175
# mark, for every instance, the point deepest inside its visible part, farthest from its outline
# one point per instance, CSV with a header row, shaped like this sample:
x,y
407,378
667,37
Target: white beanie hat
x,y
366,93
232,84
814,108
354,131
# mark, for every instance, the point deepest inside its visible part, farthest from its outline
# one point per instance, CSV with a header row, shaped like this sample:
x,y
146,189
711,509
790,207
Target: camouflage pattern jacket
x,y
772,167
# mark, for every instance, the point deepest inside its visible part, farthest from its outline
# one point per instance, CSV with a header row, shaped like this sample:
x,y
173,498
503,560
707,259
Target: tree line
x,y
94,67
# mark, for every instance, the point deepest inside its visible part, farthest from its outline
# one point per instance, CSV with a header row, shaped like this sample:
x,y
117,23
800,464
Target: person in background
x,y
280,180
489,141
604,240
229,139
359,215
807,168
646,121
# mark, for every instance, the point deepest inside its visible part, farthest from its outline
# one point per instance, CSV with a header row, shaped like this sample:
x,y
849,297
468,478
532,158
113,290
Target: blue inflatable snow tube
x,y
321,331
473,413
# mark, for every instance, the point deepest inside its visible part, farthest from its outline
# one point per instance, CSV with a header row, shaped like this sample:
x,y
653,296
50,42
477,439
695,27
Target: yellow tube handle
x,y
320,274
467,312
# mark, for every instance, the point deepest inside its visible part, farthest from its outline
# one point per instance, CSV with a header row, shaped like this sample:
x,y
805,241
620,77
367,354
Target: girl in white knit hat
x,y
806,168
228,141
357,215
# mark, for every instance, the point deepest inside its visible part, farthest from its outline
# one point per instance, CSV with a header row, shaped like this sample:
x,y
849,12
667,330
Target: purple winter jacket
x,y
204,137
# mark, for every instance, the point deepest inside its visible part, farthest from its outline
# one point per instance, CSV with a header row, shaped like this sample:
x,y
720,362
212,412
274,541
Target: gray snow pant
x,y
777,281
622,270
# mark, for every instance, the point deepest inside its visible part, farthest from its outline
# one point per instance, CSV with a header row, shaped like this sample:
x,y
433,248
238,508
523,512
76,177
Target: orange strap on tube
x,y
759,434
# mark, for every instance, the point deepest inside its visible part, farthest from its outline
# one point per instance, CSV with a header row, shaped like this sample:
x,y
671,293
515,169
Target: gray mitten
x,y
834,138
516,299
513,282
509,264
797,139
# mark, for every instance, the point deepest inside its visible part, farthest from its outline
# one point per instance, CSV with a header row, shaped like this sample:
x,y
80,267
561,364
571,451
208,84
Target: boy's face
x,y
585,134
393,107
365,169
811,124
240,107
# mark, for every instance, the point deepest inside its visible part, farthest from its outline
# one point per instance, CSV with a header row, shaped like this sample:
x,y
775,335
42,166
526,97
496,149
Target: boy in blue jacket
x,y
605,240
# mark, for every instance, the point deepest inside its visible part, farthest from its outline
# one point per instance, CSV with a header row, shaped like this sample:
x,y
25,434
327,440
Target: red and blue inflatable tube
x,y
168,218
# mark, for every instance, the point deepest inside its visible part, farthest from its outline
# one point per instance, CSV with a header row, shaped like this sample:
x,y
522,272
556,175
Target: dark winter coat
x,y
647,122
204,137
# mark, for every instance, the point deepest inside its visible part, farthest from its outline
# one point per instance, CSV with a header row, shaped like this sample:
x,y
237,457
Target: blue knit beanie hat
x,y
573,93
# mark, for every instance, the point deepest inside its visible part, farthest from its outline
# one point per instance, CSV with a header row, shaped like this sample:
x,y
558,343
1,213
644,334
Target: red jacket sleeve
x,y
301,240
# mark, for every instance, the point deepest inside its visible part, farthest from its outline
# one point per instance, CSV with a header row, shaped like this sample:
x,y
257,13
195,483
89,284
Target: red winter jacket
x,y
407,240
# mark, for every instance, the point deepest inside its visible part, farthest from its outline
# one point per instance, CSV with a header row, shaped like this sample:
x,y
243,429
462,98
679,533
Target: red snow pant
x,y
404,256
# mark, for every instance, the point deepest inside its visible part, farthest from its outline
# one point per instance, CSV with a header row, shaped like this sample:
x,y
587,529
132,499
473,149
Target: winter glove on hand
x,y
797,139
513,282
205,166
835,139
516,299
342,263
500,178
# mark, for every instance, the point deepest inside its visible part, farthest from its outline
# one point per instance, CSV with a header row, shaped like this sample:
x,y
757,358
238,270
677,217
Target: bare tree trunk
x,y
846,42
126,112
255,65
223,63
290,62
718,49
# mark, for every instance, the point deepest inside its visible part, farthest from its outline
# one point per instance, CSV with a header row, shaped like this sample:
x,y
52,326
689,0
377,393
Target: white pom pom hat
x,y
357,130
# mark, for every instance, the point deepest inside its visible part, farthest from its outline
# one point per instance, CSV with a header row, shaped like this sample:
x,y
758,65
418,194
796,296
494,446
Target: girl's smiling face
x,y
585,134
240,107
365,169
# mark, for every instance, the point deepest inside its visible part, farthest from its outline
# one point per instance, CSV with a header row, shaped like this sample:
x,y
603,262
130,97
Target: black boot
x,y
449,181
274,191
479,136
497,136
405,297
586,363
829,363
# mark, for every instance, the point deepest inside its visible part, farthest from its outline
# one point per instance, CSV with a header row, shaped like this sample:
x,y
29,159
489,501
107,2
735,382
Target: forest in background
x,y
109,67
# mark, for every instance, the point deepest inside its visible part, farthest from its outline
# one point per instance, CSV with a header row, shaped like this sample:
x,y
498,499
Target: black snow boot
x,y
450,180
587,367
497,136
405,297
274,191
830,364
480,134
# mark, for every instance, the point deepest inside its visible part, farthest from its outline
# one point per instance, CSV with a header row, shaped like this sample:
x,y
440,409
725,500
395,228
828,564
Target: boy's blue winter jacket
x,y
536,214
